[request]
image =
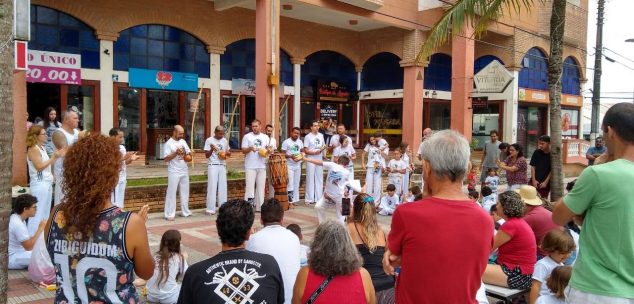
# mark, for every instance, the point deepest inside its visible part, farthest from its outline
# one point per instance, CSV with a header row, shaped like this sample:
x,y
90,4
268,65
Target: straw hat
x,y
529,195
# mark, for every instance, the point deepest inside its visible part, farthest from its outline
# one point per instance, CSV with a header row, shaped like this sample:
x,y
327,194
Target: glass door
x,y
81,99
200,120
231,120
129,119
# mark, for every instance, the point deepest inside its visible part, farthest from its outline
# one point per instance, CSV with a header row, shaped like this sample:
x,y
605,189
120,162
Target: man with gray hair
x,y
458,234
426,134
217,151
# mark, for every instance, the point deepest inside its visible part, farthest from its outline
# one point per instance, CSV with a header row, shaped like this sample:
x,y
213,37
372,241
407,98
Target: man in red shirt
x,y
536,216
443,242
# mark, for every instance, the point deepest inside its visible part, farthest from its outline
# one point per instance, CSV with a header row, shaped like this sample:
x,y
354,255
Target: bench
x,y
505,294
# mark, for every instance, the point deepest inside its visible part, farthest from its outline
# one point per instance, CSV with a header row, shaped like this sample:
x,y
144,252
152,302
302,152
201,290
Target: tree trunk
x,y
557,24
6,137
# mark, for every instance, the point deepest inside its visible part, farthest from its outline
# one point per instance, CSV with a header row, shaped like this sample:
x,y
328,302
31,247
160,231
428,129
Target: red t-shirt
x,y
444,247
521,249
341,289
541,222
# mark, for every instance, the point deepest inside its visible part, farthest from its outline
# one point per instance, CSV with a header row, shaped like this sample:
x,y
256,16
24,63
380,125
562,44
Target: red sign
x,y
21,55
53,67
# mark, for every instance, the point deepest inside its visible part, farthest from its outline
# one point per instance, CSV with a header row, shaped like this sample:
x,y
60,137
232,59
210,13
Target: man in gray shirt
x,y
490,155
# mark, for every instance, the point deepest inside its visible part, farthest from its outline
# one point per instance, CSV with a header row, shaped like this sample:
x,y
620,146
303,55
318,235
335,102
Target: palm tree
x,y
6,137
479,14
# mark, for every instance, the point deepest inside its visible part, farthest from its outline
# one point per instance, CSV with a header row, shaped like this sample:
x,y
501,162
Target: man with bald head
x,y
174,153
64,137
426,134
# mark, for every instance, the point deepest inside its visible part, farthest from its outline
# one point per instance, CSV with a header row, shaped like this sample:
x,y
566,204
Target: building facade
x,y
147,65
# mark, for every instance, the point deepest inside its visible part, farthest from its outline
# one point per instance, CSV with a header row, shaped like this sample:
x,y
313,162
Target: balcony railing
x,y
574,151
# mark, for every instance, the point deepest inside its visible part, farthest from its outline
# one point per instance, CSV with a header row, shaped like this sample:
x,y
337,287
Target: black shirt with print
x,y
233,276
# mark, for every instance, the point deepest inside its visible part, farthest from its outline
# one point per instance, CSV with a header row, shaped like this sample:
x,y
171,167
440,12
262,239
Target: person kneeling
x,y
388,202
20,242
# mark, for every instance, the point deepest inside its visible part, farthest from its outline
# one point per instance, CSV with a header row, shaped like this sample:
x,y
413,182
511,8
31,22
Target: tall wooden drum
x,y
279,178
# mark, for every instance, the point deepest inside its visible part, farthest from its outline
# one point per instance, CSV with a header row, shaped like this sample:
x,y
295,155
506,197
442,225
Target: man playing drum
x,y
216,150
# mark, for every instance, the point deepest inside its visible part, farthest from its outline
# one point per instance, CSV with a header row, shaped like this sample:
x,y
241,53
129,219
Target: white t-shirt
x,y
389,202
122,170
405,158
373,155
18,233
177,165
488,202
384,147
293,147
336,180
314,143
284,246
167,291
59,163
221,144
542,271
396,164
549,299
347,151
304,250
253,160
492,182
334,141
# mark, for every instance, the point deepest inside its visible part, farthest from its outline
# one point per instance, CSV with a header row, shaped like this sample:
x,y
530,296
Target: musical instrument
x,y
279,178
222,155
263,152
187,158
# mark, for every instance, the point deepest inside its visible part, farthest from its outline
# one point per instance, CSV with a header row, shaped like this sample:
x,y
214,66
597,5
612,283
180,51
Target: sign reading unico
x,y
54,67
494,78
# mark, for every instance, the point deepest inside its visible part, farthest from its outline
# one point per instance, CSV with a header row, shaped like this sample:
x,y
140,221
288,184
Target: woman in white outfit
x,y
374,168
40,174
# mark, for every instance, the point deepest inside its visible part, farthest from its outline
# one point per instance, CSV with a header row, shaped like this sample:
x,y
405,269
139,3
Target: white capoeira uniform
x,y
372,174
19,257
396,178
255,168
314,173
58,167
347,151
216,174
41,185
118,195
337,183
407,161
177,179
273,146
388,204
293,147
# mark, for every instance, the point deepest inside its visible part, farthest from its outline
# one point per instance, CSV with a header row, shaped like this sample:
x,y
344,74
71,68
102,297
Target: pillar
x,y
214,75
267,63
358,107
511,110
18,145
462,82
106,90
297,89
413,105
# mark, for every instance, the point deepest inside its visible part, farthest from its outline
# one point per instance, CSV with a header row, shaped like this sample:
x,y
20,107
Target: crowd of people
x,y
443,247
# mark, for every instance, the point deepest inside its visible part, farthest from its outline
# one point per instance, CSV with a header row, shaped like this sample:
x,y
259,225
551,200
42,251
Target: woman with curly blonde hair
x,y
370,240
40,174
96,246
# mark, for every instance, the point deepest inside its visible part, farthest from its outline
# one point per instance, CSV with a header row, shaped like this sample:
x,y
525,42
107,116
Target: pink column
x,y
19,125
265,27
412,105
462,82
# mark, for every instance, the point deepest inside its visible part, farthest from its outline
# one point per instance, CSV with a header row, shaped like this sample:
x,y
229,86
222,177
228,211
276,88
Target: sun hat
x,y
529,195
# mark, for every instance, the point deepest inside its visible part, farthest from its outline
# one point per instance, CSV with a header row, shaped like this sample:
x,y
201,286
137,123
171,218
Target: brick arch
x,y
77,15
365,59
167,24
347,56
541,46
575,54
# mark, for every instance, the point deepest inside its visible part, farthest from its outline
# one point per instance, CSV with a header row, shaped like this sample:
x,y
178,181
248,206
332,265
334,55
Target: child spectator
x,y
304,250
414,194
492,180
489,198
557,283
474,195
171,264
20,242
497,220
471,178
396,168
389,202
559,245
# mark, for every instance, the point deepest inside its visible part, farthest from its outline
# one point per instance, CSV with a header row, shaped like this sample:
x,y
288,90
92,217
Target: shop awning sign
x,y
494,78
54,67
162,80
240,86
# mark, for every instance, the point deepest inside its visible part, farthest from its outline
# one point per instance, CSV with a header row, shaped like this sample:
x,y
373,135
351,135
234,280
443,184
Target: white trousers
x,y
43,191
59,194
373,184
323,203
177,182
20,260
405,183
294,177
314,183
255,183
216,186
118,195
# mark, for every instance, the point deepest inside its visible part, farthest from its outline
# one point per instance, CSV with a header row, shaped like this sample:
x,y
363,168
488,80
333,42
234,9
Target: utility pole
x,y
596,86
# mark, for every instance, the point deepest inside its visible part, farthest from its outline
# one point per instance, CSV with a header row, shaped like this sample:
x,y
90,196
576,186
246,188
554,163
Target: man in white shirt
x,y
118,195
314,145
426,134
63,138
334,140
216,150
254,147
292,148
272,147
278,242
345,148
338,186
175,153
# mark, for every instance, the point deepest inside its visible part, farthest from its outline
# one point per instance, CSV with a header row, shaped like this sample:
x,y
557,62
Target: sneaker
x,y
210,212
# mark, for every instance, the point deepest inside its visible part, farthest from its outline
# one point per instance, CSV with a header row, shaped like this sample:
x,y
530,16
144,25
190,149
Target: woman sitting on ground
x,y
369,238
334,273
517,247
20,242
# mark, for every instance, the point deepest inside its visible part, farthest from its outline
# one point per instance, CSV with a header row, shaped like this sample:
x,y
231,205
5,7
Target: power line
x,y
617,54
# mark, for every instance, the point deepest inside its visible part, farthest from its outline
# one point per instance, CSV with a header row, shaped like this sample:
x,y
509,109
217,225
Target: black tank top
x,y
373,263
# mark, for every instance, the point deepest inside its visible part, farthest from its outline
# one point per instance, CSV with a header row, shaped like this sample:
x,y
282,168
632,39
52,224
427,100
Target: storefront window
x,y
529,128
129,117
570,123
199,125
439,116
231,120
307,114
347,116
384,117
81,99
162,109
485,120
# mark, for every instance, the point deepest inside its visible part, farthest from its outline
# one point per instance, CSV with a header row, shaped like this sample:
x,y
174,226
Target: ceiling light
x,y
353,22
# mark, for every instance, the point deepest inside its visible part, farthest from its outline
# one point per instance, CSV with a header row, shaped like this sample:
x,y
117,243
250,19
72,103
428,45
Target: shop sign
x,y
328,111
21,55
533,96
162,80
240,86
480,102
332,91
493,78
53,67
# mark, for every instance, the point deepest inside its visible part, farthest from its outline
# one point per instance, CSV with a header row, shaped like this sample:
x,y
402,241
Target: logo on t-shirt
x,y
334,177
236,286
317,142
257,143
295,149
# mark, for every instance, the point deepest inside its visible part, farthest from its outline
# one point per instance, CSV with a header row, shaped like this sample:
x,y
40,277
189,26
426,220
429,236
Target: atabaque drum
x,y
279,178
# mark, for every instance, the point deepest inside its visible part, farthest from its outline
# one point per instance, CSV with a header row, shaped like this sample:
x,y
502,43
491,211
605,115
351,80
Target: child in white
x,y
389,202
396,169
174,152
406,153
559,245
292,148
254,165
492,180
374,169
303,249
345,148
118,195
216,169
171,264
313,147
489,198
557,283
